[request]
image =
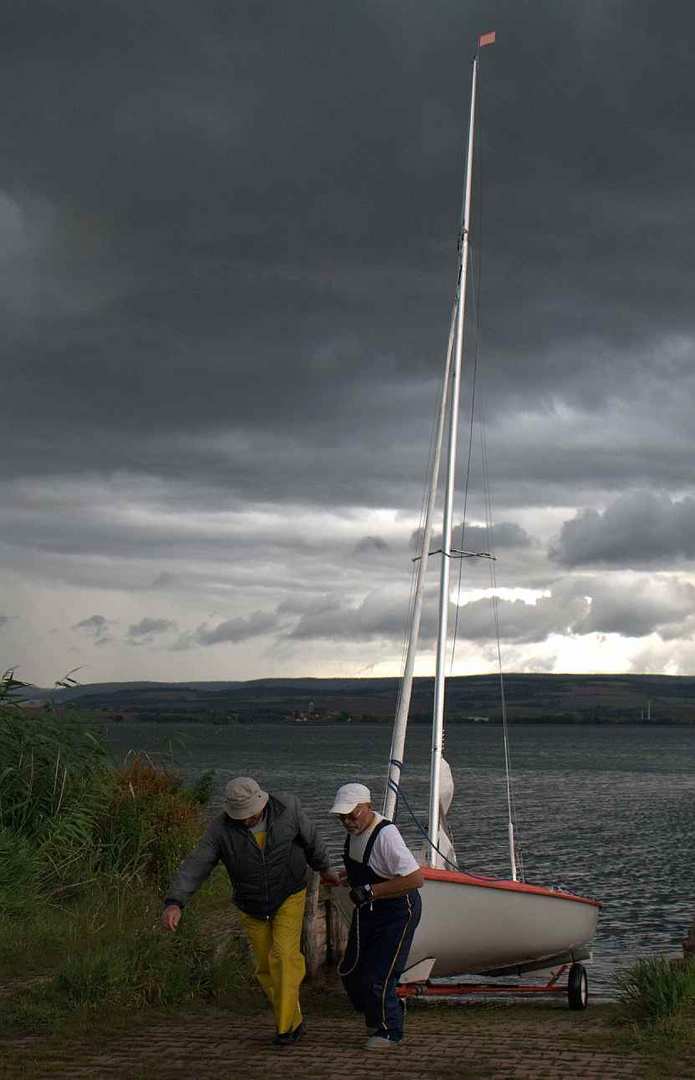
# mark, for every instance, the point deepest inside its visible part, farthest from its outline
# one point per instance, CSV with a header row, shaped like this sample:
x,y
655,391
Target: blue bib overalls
x,y
381,934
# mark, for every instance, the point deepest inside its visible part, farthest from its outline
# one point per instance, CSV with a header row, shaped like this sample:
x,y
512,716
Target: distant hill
x,y
530,698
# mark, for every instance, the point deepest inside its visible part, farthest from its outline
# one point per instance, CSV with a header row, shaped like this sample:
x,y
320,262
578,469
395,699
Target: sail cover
x,y
446,858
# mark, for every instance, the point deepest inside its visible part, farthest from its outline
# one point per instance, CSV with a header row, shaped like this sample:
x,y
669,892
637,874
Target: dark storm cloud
x,y
585,605
120,534
164,580
147,629
227,252
124,519
520,622
242,221
95,627
639,528
607,605
231,630
94,624
371,545
638,608
382,617
379,616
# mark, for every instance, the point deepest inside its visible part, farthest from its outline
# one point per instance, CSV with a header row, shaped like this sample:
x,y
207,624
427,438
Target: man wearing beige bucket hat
x,y
266,842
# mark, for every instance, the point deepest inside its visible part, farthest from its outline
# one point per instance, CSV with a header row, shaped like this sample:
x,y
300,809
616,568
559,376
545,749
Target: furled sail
x,y
446,858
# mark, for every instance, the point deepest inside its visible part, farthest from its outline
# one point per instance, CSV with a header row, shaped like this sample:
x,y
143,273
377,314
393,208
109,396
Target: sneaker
x,y
381,1042
289,1038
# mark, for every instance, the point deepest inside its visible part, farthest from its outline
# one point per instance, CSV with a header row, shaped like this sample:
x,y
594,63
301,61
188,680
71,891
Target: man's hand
x,y
333,877
361,894
171,917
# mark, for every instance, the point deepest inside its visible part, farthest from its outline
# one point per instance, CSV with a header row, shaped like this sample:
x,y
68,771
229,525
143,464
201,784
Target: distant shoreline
x,y
651,700
384,721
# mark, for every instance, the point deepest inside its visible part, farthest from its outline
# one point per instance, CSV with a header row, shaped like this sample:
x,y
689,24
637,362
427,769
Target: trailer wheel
x,y
578,987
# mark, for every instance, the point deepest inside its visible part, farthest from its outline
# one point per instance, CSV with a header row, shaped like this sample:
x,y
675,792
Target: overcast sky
x,y
227,259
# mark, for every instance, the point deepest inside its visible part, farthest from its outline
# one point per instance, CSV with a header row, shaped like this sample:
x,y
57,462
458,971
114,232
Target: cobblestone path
x,y
222,1046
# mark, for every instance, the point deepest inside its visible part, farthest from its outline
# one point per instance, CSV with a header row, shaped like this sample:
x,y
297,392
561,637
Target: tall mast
x,y
401,720
440,676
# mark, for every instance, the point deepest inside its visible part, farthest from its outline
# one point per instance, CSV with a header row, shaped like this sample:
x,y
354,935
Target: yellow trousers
x,y
279,962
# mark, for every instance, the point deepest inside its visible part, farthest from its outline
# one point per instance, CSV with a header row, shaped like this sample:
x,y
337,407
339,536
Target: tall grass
x,y
54,785
151,822
86,850
20,873
67,816
143,967
106,954
656,988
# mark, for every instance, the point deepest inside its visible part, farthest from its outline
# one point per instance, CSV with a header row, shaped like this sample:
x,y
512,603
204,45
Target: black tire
x,y
578,987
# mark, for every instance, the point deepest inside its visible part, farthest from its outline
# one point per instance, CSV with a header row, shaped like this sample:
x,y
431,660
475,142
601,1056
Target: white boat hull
x,y
472,925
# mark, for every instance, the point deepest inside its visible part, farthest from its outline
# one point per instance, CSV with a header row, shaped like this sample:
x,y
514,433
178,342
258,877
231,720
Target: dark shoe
x,y
289,1038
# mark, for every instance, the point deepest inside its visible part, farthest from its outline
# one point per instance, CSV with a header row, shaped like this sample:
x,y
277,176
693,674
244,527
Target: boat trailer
x,y
576,987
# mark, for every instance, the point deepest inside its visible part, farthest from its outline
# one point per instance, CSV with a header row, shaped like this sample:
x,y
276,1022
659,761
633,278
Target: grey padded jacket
x,y
262,878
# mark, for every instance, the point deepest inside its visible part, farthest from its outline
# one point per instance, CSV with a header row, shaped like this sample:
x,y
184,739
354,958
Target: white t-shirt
x,y
389,857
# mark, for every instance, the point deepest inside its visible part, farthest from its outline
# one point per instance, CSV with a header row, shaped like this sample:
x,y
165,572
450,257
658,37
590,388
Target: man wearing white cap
x,y
265,842
384,879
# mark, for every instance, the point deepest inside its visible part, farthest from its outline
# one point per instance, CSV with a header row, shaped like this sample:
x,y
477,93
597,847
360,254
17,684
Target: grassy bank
x,y
86,849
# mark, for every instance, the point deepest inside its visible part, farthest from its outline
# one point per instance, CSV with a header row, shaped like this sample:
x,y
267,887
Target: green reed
x,y
656,988
86,850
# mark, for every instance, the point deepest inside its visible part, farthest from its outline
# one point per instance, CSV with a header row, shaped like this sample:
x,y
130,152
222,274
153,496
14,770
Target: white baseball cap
x,y
348,797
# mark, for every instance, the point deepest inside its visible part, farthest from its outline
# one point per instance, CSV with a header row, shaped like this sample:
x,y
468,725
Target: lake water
x,y
605,812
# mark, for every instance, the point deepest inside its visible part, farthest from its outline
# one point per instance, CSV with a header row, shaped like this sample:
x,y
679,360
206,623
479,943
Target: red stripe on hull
x,y
459,878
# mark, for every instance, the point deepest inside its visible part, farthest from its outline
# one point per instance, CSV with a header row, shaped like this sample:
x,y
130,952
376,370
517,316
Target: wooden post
x,y
324,934
314,929
336,932
689,944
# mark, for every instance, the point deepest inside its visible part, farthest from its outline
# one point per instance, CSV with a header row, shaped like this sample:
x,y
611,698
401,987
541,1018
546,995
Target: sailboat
x,y
472,925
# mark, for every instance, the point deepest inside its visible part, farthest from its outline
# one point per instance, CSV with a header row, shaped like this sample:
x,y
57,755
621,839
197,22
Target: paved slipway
x,y
217,1044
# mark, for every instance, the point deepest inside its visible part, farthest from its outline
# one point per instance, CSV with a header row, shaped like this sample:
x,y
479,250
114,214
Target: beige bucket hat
x,y
243,798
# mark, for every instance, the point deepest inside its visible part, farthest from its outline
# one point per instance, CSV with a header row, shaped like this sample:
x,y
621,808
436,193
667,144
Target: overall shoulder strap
x,y
370,843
